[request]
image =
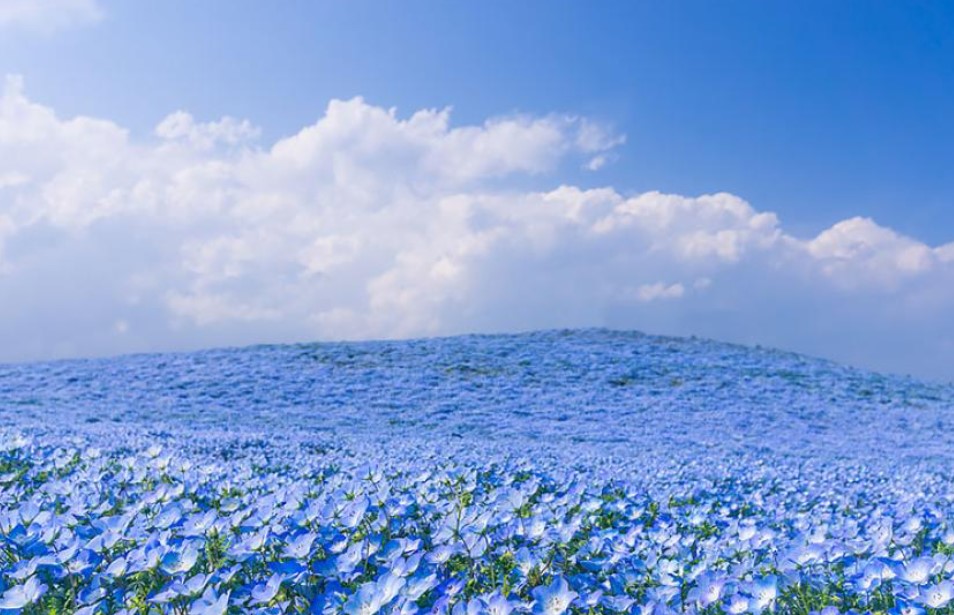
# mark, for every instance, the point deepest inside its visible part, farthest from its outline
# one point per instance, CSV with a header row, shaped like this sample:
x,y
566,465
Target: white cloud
x,y
859,252
9,180
48,15
367,223
651,292
181,126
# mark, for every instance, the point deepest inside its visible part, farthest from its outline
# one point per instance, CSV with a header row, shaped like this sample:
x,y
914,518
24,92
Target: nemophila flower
x,y
405,607
881,534
349,560
764,591
104,541
410,545
366,601
291,570
200,523
708,590
90,609
496,603
196,584
404,566
391,551
210,604
81,562
876,571
805,555
299,547
452,587
20,596
168,516
524,560
442,605
937,596
746,530
669,573
117,568
904,607
28,512
737,604
440,554
353,513
912,525
619,604
263,593
170,592
250,545
917,571
179,560
224,576
25,569
420,583
533,528
475,544
389,585
92,593
595,565
144,558
664,594
646,608
467,607
948,536
337,543
553,599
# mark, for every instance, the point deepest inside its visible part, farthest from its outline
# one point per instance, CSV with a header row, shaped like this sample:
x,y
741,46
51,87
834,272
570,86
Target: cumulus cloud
x,y
204,136
368,223
48,15
859,253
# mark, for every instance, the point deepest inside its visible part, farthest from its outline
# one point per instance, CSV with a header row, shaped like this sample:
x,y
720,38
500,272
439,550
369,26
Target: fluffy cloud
x,y
48,15
370,224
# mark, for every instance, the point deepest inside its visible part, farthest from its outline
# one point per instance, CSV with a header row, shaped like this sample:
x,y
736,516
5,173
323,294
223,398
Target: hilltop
x,y
621,393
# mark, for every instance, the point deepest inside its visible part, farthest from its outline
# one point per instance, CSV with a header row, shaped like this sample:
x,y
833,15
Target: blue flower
x,y
904,607
419,584
210,604
23,595
937,596
263,593
179,560
764,592
300,547
496,604
365,601
553,599
918,571
708,590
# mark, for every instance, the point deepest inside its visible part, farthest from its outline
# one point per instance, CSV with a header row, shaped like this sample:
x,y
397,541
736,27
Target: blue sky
x,y
815,112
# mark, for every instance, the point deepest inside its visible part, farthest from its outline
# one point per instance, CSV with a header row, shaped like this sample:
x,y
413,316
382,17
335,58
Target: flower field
x,y
589,472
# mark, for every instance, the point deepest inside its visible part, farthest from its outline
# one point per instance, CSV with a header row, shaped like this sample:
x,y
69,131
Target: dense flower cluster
x,y
234,516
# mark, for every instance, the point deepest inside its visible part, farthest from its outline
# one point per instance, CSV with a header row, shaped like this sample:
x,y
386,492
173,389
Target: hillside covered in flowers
x,y
587,472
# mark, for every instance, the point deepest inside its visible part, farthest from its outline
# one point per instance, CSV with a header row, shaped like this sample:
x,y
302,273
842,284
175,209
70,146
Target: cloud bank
x,y
369,224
